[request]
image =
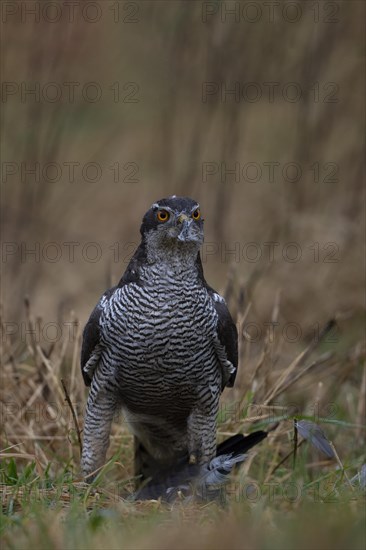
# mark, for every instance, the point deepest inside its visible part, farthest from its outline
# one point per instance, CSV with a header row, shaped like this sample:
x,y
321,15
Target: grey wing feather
x,y
228,337
227,333
90,348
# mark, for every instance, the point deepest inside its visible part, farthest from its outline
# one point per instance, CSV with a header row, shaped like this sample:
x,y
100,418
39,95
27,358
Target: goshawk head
x,y
173,225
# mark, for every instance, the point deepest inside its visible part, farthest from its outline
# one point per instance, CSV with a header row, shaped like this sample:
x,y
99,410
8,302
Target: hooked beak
x,y
186,234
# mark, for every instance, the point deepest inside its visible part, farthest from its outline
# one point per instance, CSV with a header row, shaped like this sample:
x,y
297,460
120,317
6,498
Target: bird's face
x,y
174,223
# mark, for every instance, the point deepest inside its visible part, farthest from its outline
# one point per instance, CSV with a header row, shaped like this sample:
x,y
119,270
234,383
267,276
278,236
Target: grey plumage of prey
x,y
160,345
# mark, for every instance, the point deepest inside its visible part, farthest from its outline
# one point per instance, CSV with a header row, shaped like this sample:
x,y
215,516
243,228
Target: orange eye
x,y
163,215
196,214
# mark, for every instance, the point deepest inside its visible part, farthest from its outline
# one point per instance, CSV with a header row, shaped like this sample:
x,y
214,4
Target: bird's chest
x,y
163,326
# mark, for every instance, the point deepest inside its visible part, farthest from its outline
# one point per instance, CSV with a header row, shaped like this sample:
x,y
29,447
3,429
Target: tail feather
x,y
239,444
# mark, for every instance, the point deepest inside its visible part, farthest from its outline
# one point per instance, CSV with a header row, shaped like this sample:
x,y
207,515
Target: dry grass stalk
x,y
67,397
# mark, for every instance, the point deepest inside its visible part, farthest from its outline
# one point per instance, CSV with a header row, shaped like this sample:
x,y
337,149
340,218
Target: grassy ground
x,y
281,498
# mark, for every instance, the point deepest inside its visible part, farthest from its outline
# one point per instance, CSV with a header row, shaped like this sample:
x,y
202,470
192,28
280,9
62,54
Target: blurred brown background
x,y
146,89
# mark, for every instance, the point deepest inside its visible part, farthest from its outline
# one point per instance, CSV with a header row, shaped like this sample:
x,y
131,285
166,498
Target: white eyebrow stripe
x,y
157,205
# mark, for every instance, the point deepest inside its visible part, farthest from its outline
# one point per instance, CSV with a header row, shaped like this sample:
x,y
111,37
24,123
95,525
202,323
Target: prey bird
x,y
160,345
193,482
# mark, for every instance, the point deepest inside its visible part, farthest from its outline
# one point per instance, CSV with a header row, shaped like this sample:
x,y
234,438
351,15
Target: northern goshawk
x,y
161,346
